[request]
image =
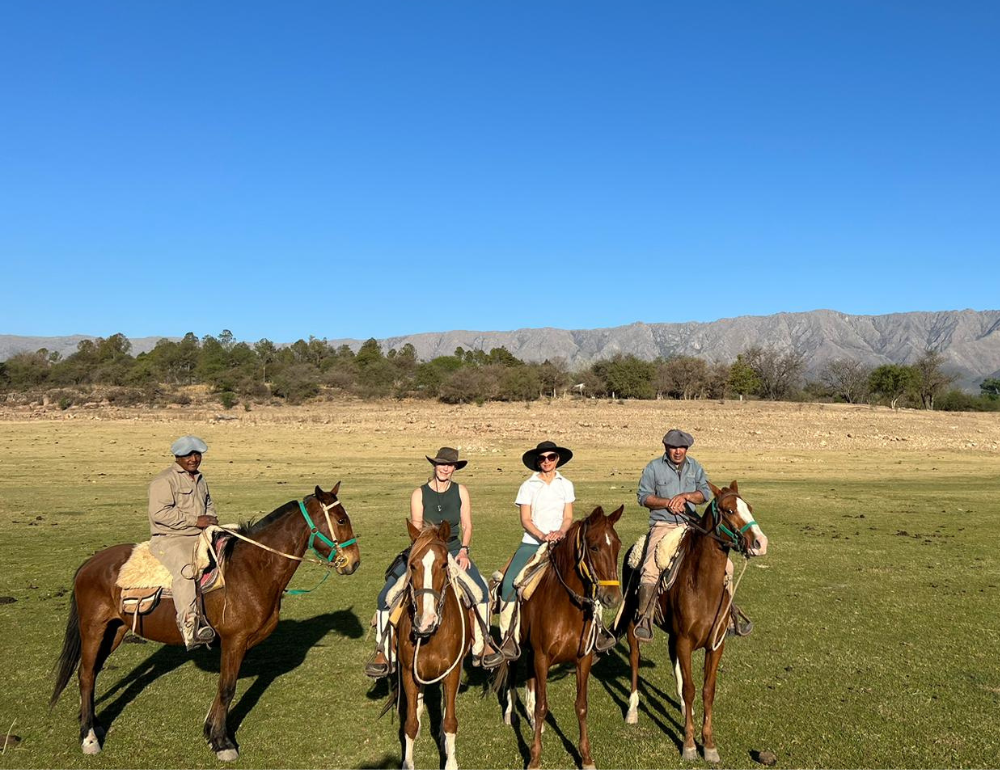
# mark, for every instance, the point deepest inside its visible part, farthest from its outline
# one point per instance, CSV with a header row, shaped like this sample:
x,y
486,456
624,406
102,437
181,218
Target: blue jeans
x,y
400,569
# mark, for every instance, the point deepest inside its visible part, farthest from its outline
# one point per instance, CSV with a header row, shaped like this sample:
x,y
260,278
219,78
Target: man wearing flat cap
x,y
671,486
180,507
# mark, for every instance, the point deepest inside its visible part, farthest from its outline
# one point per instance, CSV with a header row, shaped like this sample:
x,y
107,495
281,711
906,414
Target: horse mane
x,y
252,526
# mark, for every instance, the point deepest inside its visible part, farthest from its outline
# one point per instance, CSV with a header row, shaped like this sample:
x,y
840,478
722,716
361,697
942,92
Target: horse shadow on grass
x,y
614,672
282,652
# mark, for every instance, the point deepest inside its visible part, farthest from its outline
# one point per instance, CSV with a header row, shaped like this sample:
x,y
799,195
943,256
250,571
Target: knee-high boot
x,y
644,613
510,630
382,663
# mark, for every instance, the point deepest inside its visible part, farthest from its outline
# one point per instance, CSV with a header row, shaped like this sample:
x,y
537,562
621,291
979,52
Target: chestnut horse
x,y
243,613
558,621
695,610
433,636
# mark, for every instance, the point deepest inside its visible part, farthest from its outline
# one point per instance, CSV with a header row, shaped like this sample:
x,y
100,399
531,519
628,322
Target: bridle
x,y
336,556
584,567
724,534
438,598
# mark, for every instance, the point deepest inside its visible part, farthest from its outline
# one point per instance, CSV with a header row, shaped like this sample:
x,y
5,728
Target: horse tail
x,y
70,656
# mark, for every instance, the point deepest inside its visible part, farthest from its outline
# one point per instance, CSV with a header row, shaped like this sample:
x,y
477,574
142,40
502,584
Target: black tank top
x,y
443,506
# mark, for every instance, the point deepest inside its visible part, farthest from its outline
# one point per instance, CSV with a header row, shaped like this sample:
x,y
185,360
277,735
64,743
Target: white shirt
x,y
547,501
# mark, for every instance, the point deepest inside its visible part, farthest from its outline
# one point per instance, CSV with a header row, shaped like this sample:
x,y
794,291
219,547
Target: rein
x,y
335,559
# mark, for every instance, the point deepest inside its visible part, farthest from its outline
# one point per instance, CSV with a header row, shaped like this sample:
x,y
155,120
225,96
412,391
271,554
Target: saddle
x,y
143,580
667,558
470,593
525,581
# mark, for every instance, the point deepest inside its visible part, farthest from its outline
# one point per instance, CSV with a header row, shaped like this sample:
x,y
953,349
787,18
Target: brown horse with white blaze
x,y
243,613
433,636
695,609
558,621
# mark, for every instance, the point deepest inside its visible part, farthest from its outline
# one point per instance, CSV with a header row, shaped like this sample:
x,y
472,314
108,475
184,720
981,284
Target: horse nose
x,y
425,623
760,545
611,599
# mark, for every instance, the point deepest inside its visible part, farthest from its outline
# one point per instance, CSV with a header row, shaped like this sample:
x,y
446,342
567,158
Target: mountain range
x,y
969,340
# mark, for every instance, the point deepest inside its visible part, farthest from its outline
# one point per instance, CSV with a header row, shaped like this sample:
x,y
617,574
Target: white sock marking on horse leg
x,y
679,679
408,756
632,717
508,712
451,762
420,714
90,744
529,704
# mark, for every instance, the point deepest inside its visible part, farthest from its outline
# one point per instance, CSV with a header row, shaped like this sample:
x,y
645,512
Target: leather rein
x,y
585,569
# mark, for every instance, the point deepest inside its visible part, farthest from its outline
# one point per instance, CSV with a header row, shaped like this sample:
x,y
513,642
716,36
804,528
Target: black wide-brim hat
x,y
447,456
530,458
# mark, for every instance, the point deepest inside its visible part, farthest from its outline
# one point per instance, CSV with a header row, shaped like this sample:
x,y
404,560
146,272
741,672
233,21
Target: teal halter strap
x,y
734,537
334,546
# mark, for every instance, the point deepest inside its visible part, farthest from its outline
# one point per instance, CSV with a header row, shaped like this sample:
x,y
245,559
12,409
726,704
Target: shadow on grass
x,y
282,652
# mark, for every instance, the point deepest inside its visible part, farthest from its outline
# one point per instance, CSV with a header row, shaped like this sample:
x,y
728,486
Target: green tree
x,y
626,376
892,381
990,388
743,379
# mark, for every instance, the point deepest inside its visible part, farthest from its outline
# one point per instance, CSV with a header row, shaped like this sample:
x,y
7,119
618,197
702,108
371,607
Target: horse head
x,y
332,521
598,553
428,574
733,522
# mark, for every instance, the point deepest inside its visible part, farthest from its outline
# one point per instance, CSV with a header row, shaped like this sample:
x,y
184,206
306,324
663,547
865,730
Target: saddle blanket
x,y
144,571
666,549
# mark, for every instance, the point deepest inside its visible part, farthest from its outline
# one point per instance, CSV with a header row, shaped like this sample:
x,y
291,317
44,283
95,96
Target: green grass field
x,y
875,609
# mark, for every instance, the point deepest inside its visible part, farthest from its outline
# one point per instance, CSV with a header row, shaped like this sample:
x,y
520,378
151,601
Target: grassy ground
x,y
876,628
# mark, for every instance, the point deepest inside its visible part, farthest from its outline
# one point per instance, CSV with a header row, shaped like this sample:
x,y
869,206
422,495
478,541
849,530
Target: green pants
x,y
522,556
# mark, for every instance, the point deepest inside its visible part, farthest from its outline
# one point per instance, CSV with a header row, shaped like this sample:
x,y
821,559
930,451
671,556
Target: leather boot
x,y
490,656
644,614
510,648
380,664
739,623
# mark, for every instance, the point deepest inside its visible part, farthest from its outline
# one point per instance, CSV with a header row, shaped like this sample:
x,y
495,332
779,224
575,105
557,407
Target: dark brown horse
x,y
243,613
695,610
558,621
433,636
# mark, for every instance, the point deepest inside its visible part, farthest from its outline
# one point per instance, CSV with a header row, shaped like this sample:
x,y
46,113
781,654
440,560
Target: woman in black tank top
x,y
440,499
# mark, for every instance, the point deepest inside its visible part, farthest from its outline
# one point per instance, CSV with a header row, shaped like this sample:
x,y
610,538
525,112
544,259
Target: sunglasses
x,y
548,457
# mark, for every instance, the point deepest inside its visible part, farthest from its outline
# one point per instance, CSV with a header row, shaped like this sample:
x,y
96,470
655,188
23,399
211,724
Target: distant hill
x,y
968,339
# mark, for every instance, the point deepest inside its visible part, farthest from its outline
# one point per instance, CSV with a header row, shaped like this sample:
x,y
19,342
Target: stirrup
x,y
204,634
378,669
739,623
510,649
644,630
491,660
605,640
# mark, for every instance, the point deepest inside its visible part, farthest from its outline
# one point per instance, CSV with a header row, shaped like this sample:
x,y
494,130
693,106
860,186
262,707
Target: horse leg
x,y
712,660
449,725
685,686
511,692
541,709
216,727
414,703
632,716
582,676
98,639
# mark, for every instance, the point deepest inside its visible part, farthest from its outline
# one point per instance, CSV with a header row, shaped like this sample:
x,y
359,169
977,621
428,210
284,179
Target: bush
x,y
228,399
65,403
959,401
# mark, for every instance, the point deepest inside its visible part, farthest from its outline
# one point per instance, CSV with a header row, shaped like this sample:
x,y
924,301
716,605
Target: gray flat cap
x,y
678,438
185,445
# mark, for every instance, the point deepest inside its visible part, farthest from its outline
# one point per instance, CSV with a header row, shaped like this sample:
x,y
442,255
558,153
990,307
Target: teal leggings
x,y
521,557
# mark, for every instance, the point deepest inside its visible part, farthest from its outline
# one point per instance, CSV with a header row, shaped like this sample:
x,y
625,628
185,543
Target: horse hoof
x,y
712,755
591,766
91,744
690,754
632,717
227,755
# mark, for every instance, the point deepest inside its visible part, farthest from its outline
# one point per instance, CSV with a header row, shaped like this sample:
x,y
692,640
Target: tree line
x,y
238,372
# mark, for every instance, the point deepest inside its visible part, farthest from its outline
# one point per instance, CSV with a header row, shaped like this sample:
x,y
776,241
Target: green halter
x,y
334,546
720,527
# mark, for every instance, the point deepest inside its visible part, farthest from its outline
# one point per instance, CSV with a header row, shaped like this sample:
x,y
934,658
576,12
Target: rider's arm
x,y
529,525
465,516
417,508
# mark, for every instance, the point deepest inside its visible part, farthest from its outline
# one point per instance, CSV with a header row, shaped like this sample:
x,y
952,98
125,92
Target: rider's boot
x,y
644,614
605,639
489,656
739,623
195,631
510,648
379,665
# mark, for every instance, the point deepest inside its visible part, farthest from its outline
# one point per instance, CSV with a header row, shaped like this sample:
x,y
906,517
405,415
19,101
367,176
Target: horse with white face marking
x,y
695,609
433,636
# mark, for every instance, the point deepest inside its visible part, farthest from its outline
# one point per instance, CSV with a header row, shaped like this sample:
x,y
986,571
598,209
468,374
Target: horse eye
x,y
594,548
341,522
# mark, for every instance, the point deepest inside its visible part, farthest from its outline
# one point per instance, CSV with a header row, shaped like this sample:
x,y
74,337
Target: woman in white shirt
x,y
545,501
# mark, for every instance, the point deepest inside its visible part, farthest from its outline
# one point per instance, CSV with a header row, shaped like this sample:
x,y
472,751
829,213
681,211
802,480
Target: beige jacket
x,y
176,501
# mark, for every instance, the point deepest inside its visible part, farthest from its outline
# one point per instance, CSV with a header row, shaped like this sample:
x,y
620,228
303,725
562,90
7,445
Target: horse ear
x,y
715,490
444,531
336,489
733,486
413,530
597,514
319,492
613,518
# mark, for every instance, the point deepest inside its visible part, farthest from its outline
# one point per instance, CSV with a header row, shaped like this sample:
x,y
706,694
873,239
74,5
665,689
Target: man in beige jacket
x,y
180,507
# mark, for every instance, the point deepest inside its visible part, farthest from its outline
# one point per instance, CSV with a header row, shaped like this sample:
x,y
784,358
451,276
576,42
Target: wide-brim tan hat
x,y
447,456
530,458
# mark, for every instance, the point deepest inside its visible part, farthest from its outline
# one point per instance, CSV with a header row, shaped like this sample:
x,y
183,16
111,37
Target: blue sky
x,y
356,169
